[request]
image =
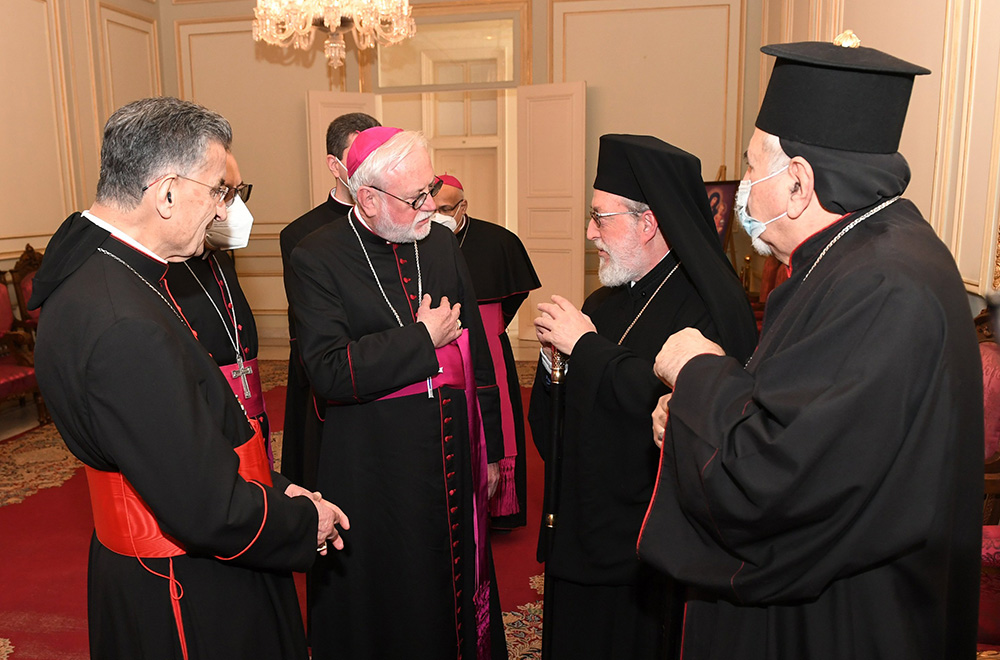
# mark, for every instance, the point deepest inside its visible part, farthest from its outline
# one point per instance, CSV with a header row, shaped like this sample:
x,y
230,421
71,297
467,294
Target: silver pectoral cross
x,y
242,372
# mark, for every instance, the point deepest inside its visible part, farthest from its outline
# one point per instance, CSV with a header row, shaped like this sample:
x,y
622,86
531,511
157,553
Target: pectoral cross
x,y
242,372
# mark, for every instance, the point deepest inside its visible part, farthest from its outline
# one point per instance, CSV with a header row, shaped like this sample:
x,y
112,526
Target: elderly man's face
x,y
765,200
395,220
195,205
618,240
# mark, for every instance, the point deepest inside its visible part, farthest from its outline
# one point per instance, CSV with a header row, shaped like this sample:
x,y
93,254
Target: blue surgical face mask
x,y
751,225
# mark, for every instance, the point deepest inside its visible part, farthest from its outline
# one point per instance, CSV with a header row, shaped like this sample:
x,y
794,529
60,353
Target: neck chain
x,y
625,334
146,282
840,235
468,224
847,229
420,280
232,340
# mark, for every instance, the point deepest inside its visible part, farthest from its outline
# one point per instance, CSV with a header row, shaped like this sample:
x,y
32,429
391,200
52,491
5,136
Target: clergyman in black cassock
x,y
207,291
304,413
415,578
663,270
503,276
824,500
193,546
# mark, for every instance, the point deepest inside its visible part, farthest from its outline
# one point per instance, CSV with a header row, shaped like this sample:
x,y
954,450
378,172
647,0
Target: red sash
x,y
126,525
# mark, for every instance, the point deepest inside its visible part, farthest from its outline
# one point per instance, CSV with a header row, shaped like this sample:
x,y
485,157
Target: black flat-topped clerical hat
x,y
840,96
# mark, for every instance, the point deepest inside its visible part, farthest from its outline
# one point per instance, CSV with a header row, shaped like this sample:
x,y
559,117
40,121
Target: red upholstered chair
x,y
23,276
17,371
989,585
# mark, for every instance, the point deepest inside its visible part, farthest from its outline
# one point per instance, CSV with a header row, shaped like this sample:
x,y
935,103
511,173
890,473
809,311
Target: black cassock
x,y
405,584
303,426
502,275
132,390
609,605
208,292
825,502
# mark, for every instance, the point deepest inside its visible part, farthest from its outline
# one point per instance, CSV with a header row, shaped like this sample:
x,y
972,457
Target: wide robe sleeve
x,y
828,460
162,435
341,368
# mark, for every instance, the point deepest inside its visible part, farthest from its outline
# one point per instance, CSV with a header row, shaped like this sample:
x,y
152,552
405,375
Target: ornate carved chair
x,y
17,371
23,276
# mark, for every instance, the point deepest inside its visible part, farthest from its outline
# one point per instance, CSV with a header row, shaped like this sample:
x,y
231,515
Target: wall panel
x,y
130,57
36,178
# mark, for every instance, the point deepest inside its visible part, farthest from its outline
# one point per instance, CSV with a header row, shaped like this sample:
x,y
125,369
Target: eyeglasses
x,y
415,204
596,217
243,190
217,192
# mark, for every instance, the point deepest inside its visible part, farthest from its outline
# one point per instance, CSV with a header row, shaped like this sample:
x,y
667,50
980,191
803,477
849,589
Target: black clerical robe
x,y
502,275
131,390
405,584
211,300
825,501
609,468
303,426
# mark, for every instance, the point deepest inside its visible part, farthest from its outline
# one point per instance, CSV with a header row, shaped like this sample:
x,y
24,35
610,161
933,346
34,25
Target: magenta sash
x,y
455,362
504,502
254,405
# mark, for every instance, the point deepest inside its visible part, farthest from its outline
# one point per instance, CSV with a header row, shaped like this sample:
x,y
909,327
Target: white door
x,y
551,152
321,109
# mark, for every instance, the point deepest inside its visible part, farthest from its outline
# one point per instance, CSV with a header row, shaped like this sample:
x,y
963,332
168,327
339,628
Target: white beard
x,y
618,268
760,247
394,233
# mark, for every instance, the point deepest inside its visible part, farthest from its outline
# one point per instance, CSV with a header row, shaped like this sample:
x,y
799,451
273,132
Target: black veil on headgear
x,y
841,107
646,169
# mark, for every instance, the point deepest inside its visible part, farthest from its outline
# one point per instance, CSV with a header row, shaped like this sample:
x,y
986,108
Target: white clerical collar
x,y
122,236
632,284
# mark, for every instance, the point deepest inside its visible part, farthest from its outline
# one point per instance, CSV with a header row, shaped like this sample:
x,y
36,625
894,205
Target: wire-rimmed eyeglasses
x,y
597,218
218,192
417,202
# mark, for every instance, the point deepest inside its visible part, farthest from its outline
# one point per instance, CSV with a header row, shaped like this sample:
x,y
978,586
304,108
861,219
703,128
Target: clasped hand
x,y
329,516
561,324
442,322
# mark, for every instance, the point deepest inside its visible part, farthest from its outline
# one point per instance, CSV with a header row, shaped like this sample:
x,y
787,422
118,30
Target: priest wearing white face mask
x,y
208,293
823,500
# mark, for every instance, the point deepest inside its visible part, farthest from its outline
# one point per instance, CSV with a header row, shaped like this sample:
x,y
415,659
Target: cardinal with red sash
x,y
390,336
195,539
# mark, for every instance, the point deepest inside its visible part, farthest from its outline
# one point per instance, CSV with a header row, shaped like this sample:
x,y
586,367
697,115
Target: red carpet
x,y
514,551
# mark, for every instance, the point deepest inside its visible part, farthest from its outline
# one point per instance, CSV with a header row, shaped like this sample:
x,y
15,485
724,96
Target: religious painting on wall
x,y
722,199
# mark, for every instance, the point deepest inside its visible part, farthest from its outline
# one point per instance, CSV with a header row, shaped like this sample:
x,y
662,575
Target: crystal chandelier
x,y
294,22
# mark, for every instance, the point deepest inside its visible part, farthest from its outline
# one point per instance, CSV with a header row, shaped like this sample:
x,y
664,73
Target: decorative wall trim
x,y
185,29
110,15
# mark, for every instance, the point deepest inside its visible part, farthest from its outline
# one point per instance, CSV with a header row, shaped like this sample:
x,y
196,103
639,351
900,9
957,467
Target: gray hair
x,y
343,127
149,138
389,155
638,208
776,156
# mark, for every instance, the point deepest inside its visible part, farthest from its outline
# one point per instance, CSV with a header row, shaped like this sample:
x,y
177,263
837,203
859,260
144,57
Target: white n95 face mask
x,y
232,233
445,220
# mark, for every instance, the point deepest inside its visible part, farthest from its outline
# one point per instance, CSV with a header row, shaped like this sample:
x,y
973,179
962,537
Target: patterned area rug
x,y
524,627
6,648
31,461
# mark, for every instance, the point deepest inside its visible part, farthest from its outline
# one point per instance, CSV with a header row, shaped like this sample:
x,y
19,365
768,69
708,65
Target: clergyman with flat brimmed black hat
x,y
824,499
663,269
